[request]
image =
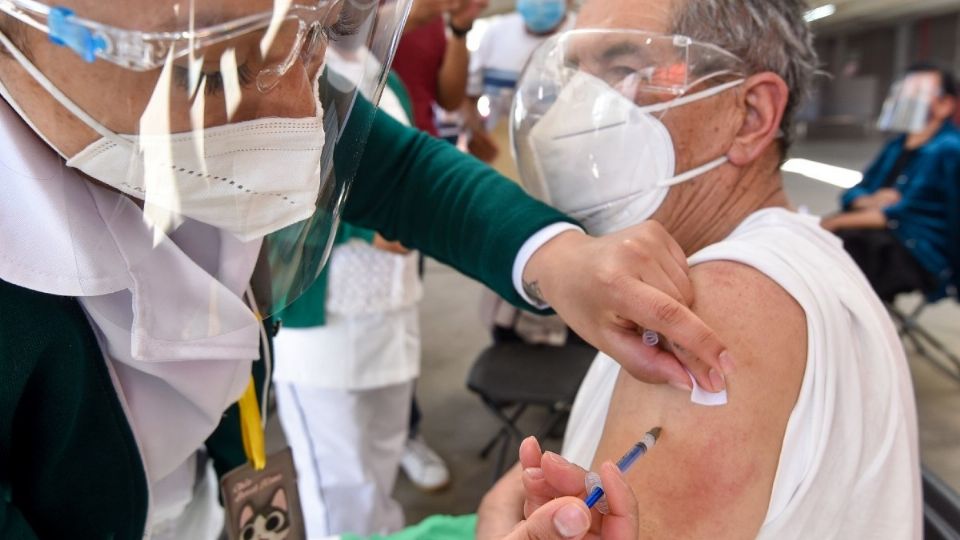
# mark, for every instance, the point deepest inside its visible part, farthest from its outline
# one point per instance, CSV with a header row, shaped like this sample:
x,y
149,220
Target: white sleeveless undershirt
x,y
849,466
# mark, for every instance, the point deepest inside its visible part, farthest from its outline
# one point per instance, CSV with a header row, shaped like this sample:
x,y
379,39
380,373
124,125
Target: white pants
x,y
347,447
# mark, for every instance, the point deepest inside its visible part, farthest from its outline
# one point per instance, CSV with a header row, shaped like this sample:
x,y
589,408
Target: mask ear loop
x,y
683,177
58,94
703,94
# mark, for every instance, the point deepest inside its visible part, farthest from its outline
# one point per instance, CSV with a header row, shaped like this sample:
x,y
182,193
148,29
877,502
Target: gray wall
x,y
864,62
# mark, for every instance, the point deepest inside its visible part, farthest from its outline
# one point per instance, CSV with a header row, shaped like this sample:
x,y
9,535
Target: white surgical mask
x,y
606,161
250,178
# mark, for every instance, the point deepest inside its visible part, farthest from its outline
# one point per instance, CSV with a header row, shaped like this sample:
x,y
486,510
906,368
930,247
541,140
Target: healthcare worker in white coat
x,y
174,171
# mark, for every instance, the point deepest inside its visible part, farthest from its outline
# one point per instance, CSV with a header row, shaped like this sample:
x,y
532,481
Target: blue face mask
x,y
541,16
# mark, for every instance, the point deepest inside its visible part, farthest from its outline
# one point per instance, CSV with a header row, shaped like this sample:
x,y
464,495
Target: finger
x,y
674,261
566,518
565,478
530,453
679,272
622,520
649,364
666,280
537,491
695,365
537,488
653,309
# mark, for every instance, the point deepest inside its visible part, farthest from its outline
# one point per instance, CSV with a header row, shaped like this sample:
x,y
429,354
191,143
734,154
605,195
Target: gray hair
x,y
769,35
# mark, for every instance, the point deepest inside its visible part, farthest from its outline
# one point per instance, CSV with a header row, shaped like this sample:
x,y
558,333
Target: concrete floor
x,y
457,426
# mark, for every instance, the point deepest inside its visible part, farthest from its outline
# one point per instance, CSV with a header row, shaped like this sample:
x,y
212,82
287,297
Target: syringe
x,y
628,459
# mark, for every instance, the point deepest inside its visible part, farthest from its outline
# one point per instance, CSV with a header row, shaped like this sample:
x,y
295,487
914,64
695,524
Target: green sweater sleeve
x,y
430,196
348,232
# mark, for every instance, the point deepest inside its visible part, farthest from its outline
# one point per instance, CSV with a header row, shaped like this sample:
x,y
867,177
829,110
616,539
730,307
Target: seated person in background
x,y
818,436
896,222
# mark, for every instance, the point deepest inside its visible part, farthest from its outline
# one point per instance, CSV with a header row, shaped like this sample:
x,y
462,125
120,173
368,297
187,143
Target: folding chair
x,y
510,377
924,343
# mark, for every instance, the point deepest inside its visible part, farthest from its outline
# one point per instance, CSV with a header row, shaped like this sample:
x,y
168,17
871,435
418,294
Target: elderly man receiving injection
x,y
680,112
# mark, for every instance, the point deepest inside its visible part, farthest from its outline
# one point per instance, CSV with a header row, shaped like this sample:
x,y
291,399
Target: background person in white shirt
x,y
496,65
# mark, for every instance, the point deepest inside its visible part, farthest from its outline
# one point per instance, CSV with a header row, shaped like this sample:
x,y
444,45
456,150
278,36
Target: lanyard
x,y
251,421
251,428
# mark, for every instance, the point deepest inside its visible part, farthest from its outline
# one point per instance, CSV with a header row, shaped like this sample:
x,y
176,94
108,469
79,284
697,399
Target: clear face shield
x,y
586,124
907,107
222,112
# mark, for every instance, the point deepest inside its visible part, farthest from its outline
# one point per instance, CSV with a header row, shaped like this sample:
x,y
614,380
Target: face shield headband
x,y
586,125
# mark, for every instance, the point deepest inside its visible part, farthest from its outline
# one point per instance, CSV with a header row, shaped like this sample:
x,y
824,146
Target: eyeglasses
x,y
641,61
295,31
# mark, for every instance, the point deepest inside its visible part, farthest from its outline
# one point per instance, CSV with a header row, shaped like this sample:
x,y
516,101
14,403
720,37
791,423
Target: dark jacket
x,y
927,218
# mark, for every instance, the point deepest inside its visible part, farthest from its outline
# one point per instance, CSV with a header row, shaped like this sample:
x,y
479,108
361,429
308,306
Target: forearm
x,y
452,80
861,219
471,117
864,202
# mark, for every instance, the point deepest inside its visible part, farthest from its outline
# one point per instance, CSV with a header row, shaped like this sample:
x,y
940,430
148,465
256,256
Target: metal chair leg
x,y
508,427
921,339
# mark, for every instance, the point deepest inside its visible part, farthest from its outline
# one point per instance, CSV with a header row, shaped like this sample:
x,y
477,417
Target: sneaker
x,y
423,466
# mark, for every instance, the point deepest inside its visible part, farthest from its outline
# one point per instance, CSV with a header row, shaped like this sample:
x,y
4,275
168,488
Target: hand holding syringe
x,y
592,480
548,476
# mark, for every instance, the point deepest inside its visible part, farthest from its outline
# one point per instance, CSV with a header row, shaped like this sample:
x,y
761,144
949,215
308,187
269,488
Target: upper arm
x,y
712,471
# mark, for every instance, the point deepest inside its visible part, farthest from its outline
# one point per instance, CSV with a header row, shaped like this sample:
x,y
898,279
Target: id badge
x,y
263,504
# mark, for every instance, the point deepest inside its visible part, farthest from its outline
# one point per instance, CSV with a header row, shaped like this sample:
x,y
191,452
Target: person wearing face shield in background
x,y
175,171
896,222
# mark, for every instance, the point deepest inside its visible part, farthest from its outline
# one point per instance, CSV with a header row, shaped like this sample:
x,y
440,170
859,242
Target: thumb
x,y
566,518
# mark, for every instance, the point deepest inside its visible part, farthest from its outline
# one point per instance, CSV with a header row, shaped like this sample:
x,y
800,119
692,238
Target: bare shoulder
x,y
717,463
753,314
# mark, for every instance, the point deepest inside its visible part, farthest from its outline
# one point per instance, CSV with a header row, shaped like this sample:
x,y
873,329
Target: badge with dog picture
x,y
263,505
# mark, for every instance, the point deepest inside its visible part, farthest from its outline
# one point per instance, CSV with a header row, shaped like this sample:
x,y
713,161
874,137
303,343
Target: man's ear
x,y
764,98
